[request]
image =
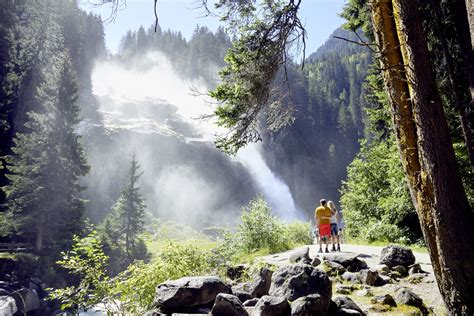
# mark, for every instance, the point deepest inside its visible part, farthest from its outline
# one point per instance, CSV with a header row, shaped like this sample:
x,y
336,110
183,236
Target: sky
x,y
320,18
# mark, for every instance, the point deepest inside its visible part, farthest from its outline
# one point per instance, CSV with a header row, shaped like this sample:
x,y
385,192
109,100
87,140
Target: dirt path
x,y
427,290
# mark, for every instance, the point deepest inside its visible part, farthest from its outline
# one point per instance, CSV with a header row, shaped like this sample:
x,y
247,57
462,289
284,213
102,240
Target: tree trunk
x,y
40,229
470,16
426,150
463,23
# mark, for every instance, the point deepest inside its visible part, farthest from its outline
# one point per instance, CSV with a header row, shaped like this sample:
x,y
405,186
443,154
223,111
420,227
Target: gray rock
x,y
370,277
386,299
394,255
307,306
378,308
26,300
294,281
404,296
350,277
236,272
401,270
7,305
300,255
344,302
188,293
348,260
344,289
154,312
415,278
272,306
415,268
261,283
332,268
364,293
385,279
228,305
251,302
316,262
255,289
382,269
348,312
241,294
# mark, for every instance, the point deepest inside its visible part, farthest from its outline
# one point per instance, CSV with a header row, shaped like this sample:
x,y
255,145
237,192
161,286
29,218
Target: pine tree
x,y
126,220
42,198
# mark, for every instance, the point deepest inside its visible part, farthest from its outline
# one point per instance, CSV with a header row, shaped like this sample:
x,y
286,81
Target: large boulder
x,y
385,299
7,305
350,261
188,293
294,281
255,289
300,255
251,302
343,305
370,277
261,283
228,305
26,300
272,306
308,306
394,255
404,296
332,268
239,291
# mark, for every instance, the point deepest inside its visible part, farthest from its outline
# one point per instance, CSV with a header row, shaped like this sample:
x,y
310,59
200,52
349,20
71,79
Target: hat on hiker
x,y
322,201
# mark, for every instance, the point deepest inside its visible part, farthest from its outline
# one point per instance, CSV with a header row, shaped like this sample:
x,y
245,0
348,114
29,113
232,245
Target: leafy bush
x,y
86,260
135,287
375,197
299,233
259,228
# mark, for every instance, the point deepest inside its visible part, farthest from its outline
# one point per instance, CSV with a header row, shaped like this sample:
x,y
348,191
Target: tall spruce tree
x,y
42,198
126,221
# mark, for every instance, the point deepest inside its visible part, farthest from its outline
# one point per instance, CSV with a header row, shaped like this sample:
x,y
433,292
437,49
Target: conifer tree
x,y
47,161
126,222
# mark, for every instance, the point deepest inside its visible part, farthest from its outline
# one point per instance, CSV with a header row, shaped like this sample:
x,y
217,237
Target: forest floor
x,y
427,289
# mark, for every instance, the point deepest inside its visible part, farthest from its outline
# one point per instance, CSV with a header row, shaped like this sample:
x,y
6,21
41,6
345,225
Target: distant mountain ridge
x,y
338,45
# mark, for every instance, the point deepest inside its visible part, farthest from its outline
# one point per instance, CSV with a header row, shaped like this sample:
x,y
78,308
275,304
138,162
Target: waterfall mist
x,y
148,108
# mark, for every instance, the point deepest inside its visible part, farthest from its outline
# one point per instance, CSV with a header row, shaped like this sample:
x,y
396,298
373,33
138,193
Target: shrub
x,y
299,233
135,287
259,228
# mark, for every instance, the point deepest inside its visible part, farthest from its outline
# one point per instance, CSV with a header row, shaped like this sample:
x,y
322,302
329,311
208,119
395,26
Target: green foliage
x,y
299,233
260,232
43,194
121,228
259,228
135,287
87,261
264,31
375,197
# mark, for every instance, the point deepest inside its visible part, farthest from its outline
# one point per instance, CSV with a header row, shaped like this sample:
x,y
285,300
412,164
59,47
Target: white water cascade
x,y
153,78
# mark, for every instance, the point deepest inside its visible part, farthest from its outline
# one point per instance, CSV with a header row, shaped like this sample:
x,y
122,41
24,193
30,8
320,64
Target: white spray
x,y
153,77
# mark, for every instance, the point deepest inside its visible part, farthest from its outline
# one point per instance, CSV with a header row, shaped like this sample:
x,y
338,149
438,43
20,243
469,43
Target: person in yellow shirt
x,y
322,218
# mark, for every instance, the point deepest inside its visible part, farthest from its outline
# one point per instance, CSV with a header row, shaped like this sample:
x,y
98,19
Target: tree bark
x,y
426,150
40,233
465,106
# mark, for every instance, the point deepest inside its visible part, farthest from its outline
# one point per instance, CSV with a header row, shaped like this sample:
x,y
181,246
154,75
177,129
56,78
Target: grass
x,y
156,246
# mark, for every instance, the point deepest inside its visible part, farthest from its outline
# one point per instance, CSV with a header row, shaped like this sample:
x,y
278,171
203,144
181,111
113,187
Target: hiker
x,y
334,229
341,225
322,218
